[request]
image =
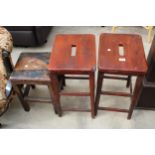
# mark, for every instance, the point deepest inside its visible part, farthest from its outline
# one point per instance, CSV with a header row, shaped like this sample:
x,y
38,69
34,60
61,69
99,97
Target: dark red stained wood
x,y
135,63
113,109
85,59
84,62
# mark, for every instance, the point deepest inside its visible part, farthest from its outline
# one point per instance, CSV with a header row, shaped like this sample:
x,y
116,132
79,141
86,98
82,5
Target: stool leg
x,y
92,87
128,81
135,96
33,86
64,81
52,96
56,95
99,87
20,96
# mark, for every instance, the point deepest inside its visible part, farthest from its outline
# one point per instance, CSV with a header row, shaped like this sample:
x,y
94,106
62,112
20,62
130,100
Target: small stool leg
x,y
64,81
135,96
99,87
33,86
52,96
56,95
20,96
128,81
92,87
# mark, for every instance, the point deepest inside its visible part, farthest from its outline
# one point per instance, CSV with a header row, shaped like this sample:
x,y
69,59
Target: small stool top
x,y
73,54
31,67
122,54
32,61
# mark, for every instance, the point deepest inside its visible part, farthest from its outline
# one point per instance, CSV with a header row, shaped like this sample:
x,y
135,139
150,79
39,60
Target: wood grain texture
x,y
83,62
135,62
30,70
32,61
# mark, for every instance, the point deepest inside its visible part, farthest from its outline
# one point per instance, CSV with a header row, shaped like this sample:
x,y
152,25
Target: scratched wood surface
x,y
32,61
132,62
61,59
32,67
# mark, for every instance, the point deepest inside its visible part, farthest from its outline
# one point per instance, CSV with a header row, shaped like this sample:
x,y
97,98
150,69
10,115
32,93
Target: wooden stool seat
x,y
133,61
75,55
121,54
33,61
32,67
84,59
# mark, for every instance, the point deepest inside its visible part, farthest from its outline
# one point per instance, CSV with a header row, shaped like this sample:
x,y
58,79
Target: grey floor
x,y
42,115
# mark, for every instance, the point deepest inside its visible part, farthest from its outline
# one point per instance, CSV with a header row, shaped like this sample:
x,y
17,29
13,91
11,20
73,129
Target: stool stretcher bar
x,y
113,109
116,93
75,94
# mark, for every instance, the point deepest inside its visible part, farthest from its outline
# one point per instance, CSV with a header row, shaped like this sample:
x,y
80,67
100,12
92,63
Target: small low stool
x,y
73,55
121,54
30,70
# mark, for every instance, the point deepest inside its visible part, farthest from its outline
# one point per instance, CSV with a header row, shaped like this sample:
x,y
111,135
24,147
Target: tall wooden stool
x,y
73,55
121,54
30,70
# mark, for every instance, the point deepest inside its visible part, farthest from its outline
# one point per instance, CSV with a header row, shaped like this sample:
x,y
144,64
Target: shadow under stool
x,y
120,54
73,56
30,70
